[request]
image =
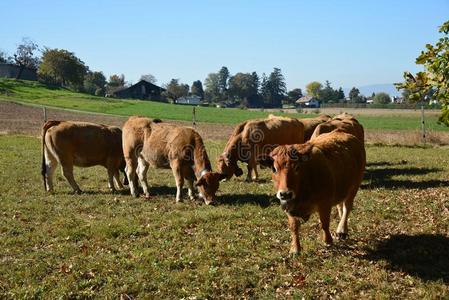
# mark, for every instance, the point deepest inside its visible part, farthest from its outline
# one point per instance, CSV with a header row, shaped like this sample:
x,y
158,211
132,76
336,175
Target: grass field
x,y
37,94
104,245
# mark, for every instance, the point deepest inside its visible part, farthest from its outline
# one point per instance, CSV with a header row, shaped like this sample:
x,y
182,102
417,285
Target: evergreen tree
x,y
197,89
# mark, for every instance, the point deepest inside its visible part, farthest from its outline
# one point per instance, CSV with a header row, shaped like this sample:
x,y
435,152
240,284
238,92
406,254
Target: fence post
x,y
423,125
45,114
194,117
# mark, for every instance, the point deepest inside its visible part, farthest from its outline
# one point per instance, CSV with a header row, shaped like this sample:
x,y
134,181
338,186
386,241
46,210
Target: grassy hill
x,y
30,92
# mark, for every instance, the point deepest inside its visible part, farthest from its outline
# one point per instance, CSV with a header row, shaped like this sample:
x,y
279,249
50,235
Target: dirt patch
x,y
23,119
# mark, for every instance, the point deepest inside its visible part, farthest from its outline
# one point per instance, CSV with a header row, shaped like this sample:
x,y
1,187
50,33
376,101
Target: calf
x,y
81,144
315,176
344,122
256,137
175,147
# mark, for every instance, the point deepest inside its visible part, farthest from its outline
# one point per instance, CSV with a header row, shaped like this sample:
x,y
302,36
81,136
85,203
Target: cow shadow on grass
x,y
163,190
262,200
424,256
380,175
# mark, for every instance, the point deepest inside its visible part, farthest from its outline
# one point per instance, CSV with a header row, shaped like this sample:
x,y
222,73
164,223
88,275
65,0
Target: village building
x,y
141,90
308,102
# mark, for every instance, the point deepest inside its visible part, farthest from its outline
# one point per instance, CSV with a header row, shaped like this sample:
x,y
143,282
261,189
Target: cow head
x,y
287,163
228,166
208,185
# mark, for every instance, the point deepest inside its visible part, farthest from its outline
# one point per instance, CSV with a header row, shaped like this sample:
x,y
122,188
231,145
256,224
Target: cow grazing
x,y
311,123
170,146
315,176
345,122
81,144
133,138
256,137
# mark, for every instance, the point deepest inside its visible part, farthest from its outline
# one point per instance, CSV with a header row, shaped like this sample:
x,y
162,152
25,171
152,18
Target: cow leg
x,y
342,229
325,213
250,169
117,179
189,175
293,225
142,171
340,209
177,173
131,166
191,190
67,171
256,174
50,167
111,181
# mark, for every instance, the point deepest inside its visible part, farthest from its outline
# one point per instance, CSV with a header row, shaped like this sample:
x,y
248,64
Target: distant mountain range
x,y
367,90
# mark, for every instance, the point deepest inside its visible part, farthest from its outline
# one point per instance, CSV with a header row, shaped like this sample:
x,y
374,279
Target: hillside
x,y
30,92
34,93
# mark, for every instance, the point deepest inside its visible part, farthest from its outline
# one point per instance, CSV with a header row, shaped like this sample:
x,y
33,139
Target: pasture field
x,y
109,246
34,93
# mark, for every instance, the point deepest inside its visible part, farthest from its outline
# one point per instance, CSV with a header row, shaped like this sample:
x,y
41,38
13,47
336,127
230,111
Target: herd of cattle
x,y
316,163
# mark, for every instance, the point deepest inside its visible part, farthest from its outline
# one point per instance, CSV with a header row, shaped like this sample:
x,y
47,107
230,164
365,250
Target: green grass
x,y
104,245
30,92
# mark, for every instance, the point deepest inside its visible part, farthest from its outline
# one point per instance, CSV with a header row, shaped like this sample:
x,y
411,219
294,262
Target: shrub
x,y
382,98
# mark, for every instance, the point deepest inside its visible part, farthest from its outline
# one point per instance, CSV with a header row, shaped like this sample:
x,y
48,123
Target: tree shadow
x,y
424,256
262,200
382,177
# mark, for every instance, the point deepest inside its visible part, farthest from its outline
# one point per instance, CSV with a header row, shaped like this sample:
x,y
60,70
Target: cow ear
x,y
200,182
266,160
306,154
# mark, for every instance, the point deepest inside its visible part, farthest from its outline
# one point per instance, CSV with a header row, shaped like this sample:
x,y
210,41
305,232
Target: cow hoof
x,y
146,197
342,235
328,244
294,253
248,180
178,200
77,192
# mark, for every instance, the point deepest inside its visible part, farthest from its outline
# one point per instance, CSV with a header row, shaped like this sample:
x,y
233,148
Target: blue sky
x,y
348,42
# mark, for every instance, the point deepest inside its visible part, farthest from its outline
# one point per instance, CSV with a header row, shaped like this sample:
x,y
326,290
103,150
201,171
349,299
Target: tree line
x,y
61,67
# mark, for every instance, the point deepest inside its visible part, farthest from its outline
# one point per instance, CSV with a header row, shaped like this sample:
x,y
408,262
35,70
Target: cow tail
x,y
46,126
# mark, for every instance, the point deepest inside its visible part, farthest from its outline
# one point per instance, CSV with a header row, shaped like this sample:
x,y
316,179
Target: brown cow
x,y
175,147
133,138
345,122
311,123
81,144
315,176
256,137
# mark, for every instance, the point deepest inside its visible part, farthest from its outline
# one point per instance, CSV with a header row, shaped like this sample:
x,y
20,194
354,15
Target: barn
x,y
142,90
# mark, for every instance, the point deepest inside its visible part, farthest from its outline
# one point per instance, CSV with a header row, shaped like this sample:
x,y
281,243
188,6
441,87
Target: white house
x,y
308,101
191,100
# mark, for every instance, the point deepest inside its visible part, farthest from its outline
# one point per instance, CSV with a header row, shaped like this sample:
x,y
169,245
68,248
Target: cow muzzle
x,y
285,196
